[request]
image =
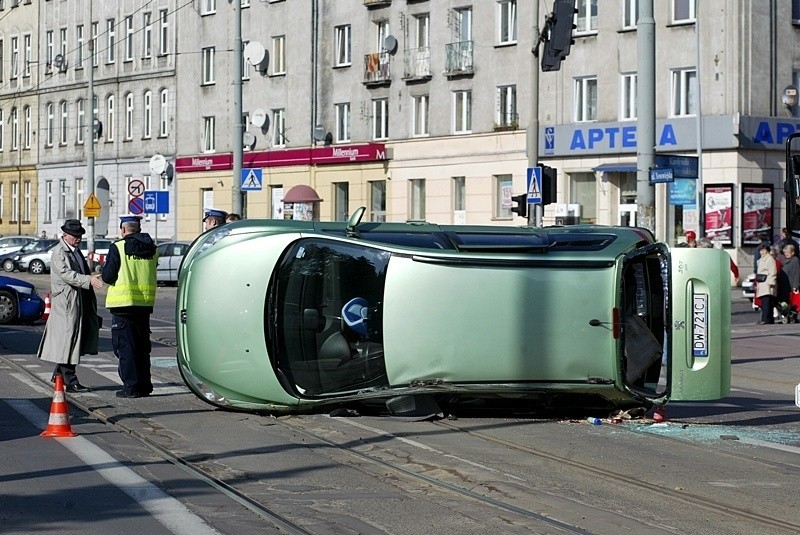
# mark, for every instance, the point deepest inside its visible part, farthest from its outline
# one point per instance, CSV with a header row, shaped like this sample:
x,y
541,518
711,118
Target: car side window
x,y
326,312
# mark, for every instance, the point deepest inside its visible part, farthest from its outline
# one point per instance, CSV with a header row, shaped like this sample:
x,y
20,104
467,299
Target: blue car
x,y
19,301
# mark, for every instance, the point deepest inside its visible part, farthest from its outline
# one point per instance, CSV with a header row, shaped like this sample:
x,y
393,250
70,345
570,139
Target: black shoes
x,y
124,394
77,388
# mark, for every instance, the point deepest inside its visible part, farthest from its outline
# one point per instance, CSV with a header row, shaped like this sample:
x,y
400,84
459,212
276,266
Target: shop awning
x,y
616,168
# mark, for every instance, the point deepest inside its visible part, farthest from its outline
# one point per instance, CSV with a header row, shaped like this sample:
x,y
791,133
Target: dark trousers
x,y
767,307
130,337
67,372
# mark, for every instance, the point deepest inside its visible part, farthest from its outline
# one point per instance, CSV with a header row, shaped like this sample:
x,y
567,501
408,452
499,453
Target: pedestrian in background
x,y
787,239
130,272
73,328
767,282
233,217
213,218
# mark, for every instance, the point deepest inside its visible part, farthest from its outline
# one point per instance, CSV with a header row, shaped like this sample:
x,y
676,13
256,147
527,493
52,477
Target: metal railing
x,y
376,67
459,58
418,63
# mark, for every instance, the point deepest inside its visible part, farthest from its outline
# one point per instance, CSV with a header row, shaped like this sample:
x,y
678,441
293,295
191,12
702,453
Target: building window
x,y
28,127
163,129
463,22
51,124
278,55
81,121
341,201
380,118
14,129
684,92
683,10
129,38
503,191
377,201
586,20
416,209
462,112
583,192
208,65
279,127
2,60
459,193
2,133
420,118
62,34
630,13
79,48
27,54
627,106
48,201
381,33
129,116
422,32
585,100
64,123
147,126
507,21
343,122
344,55
14,57
507,106
26,202
14,202
163,39
147,35
111,38
49,50
245,63
110,118
95,50
209,143
208,7
62,198
79,198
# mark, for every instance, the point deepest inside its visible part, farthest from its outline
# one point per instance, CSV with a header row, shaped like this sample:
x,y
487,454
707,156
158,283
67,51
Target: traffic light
x,y
521,209
549,175
559,34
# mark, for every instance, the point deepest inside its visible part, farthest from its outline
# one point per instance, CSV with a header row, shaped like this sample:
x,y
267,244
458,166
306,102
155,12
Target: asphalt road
x,y
729,466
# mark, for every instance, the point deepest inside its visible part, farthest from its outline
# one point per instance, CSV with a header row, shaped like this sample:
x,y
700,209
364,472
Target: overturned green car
x,y
289,316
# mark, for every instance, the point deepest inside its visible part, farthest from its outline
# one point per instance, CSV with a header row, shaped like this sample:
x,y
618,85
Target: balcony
x,y
459,59
417,63
507,121
377,3
376,69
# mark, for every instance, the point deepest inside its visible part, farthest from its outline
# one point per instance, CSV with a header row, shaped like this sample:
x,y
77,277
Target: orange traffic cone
x,y
46,313
58,425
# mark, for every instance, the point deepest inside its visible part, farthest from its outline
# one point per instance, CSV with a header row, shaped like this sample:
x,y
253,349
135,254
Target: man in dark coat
x,y
73,328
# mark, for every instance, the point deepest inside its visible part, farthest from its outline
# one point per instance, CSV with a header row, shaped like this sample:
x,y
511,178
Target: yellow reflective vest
x,y
136,281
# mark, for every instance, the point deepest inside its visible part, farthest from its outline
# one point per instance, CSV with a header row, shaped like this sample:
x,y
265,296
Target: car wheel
x,y
8,265
8,307
36,267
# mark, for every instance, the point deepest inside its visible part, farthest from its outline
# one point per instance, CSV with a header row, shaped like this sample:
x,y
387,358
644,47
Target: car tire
x,y
8,307
36,267
8,265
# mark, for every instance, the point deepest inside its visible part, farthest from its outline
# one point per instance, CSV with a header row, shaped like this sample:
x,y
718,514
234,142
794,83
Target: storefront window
x,y
583,191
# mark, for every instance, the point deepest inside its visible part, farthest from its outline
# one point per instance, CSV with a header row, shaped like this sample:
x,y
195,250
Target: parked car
x,y
19,301
37,263
9,244
170,256
396,316
749,288
101,246
8,260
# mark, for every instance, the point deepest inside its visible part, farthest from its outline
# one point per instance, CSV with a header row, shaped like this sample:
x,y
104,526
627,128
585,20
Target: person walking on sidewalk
x,y
130,272
73,328
767,283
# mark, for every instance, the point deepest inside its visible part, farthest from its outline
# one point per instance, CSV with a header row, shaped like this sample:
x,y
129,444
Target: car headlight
x,y
213,237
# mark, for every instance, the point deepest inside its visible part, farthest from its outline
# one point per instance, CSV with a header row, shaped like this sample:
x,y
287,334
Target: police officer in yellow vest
x,y
130,272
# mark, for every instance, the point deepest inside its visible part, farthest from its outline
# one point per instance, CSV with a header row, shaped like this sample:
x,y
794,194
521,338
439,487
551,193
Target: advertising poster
x,y
683,191
756,213
719,213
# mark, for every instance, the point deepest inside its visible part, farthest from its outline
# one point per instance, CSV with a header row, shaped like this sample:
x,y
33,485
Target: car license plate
x,y
700,325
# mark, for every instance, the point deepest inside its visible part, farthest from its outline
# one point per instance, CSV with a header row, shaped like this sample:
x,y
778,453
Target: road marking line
x,y
773,445
169,511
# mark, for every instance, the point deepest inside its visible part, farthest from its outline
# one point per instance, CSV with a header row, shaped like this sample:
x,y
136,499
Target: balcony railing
x,y
507,121
417,63
459,58
376,68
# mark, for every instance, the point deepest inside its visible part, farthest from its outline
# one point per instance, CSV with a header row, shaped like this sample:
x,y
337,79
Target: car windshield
x,y
324,318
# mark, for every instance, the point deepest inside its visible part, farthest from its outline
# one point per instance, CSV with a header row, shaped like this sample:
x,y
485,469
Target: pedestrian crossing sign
x,y
251,179
534,185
